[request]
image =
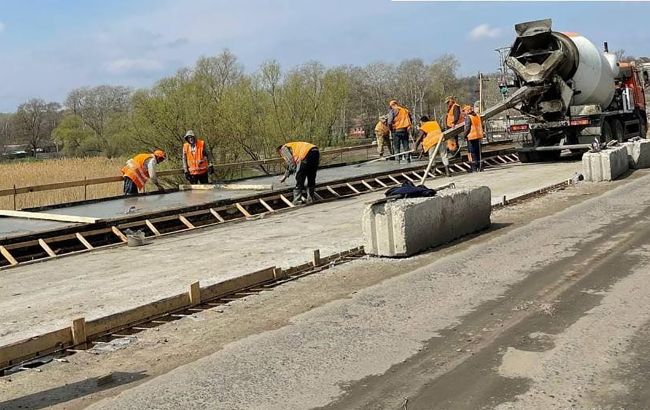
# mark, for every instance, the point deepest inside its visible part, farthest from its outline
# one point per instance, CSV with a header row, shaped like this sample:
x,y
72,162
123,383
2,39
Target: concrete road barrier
x,y
638,153
407,226
605,165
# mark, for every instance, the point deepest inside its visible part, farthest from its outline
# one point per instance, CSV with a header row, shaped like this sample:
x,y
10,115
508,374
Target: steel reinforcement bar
x,y
50,244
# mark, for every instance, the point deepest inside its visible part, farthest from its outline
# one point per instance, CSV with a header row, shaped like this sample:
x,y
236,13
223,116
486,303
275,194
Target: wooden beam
x,y
46,248
352,188
83,241
329,188
195,293
363,181
381,183
286,201
48,217
151,226
242,210
267,206
394,179
196,187
119,234
186,222
216,215
246,187
408,177
8,256
79,332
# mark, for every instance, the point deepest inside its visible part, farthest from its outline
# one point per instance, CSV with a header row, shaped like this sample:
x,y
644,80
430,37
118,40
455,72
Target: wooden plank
x,y
151,226
408,177
195,294
79,331
245,187
196,187
46,248
216,215
136,315
119,234
242,210
8,256
267,206
28,348
286,201
317,260
237,284
329,188
381,183
48,217
352,188
394,179
185,221
83,241
370,187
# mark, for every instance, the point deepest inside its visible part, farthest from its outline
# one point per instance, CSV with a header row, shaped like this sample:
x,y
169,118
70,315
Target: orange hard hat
x,y
391,102
159,154
468,108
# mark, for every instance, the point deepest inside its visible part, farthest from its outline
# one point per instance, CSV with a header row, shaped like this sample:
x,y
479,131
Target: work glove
x,y
211,169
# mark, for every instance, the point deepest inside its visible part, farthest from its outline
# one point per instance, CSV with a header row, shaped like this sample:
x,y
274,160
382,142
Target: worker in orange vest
x,y
400,123
197,160
473,133
453,118
140,169
301,158
382,133
428,136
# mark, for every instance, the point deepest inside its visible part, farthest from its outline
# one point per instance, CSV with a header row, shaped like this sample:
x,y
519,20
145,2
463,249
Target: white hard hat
x,y
189,133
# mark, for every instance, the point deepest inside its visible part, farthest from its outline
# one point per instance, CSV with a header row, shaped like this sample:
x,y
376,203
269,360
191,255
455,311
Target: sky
x,y
49,47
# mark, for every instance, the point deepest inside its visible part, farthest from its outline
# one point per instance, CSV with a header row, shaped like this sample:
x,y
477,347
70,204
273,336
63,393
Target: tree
x,y
75,138
35,120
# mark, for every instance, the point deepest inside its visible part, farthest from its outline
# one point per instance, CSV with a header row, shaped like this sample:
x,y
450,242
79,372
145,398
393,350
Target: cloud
x,y
134,65
483,31
2,26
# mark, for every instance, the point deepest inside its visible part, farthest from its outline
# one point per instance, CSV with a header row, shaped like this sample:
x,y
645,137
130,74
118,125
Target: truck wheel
x,y
619,130
605,132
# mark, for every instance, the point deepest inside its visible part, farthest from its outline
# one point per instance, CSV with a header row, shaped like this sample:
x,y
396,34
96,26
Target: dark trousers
x,y
307,170
401,143
198,179
130,188
474,149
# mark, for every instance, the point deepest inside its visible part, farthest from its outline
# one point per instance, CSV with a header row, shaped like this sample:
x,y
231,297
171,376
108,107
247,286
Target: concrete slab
x,y
605,165
45,296
638,153
405,227
10,227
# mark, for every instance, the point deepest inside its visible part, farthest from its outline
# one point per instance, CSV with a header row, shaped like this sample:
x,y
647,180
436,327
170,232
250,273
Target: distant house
x,y
357,130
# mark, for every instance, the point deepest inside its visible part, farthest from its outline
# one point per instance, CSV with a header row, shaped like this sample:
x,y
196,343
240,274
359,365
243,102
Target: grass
x,y
29,173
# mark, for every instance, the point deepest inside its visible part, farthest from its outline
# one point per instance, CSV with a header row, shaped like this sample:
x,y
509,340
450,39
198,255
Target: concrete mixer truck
x,y
571,92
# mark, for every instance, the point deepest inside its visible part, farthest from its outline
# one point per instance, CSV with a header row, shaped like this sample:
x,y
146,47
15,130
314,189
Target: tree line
x,y
242,116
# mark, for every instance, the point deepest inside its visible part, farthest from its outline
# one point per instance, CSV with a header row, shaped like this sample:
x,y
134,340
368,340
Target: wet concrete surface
x,y
120,207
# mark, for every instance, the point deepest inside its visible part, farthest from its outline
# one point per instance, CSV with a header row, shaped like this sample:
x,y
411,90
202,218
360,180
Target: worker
x,y
400,123
140,169
382,133
301,158
473,134
453,118
428,137
197,160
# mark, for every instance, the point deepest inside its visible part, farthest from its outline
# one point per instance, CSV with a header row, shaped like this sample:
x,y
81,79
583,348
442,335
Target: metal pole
x,y
431,161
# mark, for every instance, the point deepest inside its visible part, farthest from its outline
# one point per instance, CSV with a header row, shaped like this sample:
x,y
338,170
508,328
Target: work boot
x,y
310,196
297,197
447,173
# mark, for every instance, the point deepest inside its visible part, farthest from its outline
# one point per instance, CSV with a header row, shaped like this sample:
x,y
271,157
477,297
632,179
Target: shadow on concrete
x,y
62,394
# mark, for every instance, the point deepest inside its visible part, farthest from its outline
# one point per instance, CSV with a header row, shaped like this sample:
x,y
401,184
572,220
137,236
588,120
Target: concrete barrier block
x,y
605,165
638,153
407,226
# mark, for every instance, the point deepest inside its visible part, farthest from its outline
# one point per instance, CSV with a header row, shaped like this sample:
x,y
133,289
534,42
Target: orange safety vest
x,y
450,116
197,163
402,119
299,150
476,133
433,134
136,170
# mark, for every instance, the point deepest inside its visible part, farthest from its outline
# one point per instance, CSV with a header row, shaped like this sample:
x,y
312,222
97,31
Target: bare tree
x,y
35,120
